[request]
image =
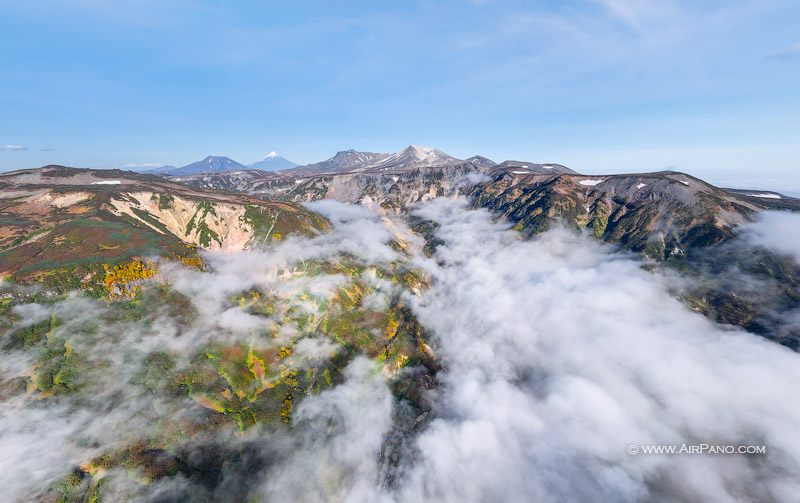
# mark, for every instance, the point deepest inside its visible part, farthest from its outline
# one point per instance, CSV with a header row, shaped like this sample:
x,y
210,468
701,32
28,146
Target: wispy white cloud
x,y
786,54
556,364
637,13
775,230
13,147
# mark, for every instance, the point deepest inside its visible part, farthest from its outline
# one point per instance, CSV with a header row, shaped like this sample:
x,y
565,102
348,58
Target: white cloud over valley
x,y
556,354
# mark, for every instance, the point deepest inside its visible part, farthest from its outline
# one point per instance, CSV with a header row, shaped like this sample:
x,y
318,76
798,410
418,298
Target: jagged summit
x,y
414,156
481,161
353,161
344,161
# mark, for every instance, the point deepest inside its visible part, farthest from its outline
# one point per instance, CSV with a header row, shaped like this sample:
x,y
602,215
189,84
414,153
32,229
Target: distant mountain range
x,y
209,164
352,161
271,162
412,157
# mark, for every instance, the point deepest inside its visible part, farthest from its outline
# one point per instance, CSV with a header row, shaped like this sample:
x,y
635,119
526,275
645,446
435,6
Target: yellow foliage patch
x,y
192,262
286,409
121,279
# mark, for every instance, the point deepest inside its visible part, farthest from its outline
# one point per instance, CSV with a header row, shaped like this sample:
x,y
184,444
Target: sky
x,y
711,88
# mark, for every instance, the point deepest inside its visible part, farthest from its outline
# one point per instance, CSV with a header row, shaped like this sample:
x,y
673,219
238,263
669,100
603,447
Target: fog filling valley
x,y
557,353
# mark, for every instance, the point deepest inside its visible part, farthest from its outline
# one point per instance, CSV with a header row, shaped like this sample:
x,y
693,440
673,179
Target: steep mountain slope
x,y
273,162
660,214
350,161
412,157
343,162
392,189
248,181
396,189
56,219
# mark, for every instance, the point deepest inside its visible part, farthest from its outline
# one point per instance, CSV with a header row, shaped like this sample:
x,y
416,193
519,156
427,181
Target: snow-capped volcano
x,y
273,162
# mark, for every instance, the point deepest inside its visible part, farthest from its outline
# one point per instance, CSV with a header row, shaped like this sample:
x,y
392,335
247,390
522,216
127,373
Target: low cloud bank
x,y
339,434
561,354
778,230
557,354
46,437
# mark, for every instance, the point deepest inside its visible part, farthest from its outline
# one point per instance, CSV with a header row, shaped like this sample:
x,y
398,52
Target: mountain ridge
x,y
352,161
67,219
342,161
210,164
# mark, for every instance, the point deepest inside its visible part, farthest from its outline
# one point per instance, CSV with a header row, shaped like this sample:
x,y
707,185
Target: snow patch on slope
x,y
765,195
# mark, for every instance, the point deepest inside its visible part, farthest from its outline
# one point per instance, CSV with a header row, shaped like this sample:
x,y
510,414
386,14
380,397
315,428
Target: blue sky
x,y
707,87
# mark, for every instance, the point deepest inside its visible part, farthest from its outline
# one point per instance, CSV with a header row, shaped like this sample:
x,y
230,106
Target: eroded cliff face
x,y
212,226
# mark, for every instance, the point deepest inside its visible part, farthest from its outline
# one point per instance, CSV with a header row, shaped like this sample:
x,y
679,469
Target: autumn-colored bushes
x,y
122,281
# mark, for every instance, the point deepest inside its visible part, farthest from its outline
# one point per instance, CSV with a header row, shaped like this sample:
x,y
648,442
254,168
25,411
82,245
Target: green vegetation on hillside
x,y
233,381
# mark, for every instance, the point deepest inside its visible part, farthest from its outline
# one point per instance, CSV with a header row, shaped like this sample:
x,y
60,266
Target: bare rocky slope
x,y
674,219
659,214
